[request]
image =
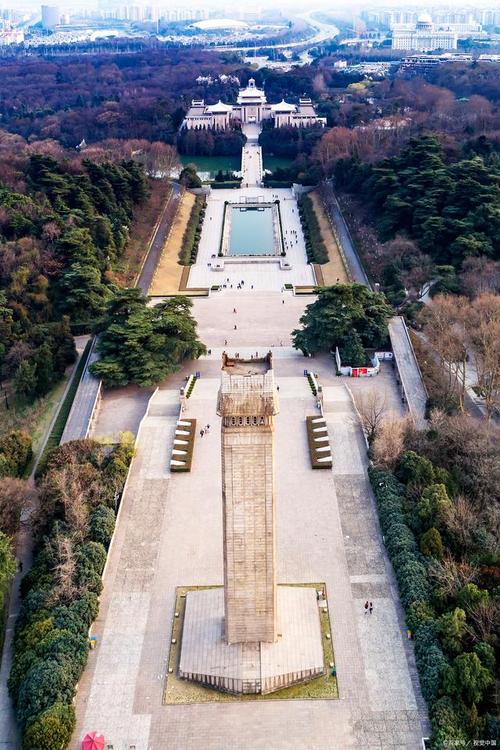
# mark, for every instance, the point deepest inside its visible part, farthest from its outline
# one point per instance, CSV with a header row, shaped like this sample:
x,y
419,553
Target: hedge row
x,y
270,183
410,570
60,423
226,185
60,592
192,233
315,246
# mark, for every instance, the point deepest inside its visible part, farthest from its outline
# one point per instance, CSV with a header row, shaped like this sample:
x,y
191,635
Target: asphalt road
x,y
159,237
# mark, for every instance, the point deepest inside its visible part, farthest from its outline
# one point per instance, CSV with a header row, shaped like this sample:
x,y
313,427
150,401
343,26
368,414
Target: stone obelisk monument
x,y
247,404
251,636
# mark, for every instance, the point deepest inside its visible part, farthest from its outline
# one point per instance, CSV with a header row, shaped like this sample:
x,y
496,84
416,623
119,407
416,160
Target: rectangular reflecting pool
x,y
251,231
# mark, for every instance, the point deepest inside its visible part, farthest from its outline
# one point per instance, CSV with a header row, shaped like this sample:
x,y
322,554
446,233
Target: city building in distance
x,y
51,16
423,36
251,107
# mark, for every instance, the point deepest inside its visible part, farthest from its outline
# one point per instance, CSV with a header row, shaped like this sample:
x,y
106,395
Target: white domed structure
x,y
424,22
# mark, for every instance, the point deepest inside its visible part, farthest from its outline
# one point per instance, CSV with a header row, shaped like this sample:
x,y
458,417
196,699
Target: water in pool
x,y
252,231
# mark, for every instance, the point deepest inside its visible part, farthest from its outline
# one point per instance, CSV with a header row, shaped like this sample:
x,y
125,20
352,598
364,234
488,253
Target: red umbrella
x,y
93,741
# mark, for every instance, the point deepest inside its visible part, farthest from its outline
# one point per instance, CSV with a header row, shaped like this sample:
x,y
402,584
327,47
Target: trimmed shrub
x,y
46,682
315,246
192,233
419,613
431,544
51,729
430,659
79,615
447,727
398,539
92,554
411,575
102,525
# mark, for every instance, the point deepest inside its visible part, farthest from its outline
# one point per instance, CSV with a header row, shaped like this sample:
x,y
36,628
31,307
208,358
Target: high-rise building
x,y
50,16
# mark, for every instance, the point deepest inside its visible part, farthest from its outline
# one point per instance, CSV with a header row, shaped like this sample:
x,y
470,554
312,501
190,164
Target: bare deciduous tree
x,y
15,496
444,329
65,568
480,274
449,576
482,324
461,520
484,616
371,408
389,442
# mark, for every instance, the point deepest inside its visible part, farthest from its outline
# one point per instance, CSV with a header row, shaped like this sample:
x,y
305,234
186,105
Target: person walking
x,y
234,309
235,327
208,428
202,432
366,607
225,342
371,607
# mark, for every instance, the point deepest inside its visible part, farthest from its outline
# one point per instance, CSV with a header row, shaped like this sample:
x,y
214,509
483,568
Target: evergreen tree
x,y
352,352
340,311
25,382
44,369
141,344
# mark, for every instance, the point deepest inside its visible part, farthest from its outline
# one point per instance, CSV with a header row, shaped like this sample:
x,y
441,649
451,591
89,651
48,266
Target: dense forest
x,y
210,142
449,207
60,234
142,95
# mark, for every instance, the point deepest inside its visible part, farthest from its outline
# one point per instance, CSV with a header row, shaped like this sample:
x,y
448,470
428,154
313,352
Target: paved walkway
x,y
409,371
251,164
170,533
80,416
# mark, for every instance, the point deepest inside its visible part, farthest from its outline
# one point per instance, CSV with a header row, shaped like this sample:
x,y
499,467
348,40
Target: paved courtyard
x,y
170,534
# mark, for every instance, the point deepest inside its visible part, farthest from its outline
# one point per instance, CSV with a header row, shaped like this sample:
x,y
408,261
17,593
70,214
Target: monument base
x,y
296,657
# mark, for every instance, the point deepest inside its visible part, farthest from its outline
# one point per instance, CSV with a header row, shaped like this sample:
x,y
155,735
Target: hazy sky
x,y
293,6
